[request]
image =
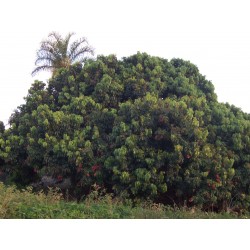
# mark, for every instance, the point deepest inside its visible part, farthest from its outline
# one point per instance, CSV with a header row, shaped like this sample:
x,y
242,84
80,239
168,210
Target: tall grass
x,y
24,203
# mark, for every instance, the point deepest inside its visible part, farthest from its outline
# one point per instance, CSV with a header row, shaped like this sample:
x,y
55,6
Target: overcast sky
x,y
214,35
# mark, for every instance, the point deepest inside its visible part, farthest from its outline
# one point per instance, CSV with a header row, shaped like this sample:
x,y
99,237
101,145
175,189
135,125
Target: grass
x,y
24,204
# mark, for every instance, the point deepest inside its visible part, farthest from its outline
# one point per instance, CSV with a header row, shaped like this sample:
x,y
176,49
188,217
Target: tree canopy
x,y
141,127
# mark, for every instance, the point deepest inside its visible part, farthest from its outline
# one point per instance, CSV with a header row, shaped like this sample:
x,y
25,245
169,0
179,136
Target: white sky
x,y
214,35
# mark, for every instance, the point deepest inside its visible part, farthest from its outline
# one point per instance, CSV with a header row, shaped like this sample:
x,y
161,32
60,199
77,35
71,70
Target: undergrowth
x,y
24,204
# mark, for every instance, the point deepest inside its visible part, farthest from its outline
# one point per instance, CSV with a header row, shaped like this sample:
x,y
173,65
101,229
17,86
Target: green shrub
x,y
141,127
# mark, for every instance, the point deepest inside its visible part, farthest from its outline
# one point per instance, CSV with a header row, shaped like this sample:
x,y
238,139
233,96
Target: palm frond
x,y
80,53
55,52
55,36
75,45
49,46
65,44
67,38
48,49
45,53
45,59
55,44
39,68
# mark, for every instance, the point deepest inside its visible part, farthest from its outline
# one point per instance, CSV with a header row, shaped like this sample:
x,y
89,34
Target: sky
x,y
213,35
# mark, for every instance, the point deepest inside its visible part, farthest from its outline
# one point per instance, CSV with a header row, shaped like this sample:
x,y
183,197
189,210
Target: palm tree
x,y
56,52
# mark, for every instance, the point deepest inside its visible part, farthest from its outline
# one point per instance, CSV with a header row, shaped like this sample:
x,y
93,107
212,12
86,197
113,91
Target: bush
x,y
141,127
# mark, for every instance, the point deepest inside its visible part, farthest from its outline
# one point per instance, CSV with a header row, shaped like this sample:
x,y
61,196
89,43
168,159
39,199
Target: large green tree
x,y
57,52
142,127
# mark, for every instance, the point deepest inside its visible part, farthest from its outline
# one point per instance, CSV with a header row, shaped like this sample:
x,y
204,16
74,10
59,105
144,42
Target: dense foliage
x,y
142,127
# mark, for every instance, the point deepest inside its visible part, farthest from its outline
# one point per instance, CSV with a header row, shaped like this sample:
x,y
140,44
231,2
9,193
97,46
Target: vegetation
x,y
27,205
56,52
141,128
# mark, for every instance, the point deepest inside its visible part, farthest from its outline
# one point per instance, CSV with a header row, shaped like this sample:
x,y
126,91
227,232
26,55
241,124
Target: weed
x,y
24,204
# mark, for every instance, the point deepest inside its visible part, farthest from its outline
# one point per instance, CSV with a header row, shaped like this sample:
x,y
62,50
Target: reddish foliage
x,y
59,178
218,178
95,168
79,168
191,199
